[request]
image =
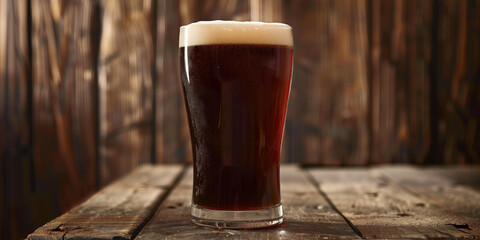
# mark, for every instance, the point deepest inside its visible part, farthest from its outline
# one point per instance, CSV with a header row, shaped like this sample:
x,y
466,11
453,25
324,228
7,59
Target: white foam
x,y
222,32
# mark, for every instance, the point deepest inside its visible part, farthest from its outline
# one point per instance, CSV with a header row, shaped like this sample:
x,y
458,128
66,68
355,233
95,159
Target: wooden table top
x,y
403,201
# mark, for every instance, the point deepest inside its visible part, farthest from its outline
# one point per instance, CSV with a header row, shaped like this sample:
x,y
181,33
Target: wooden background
x,y
90,89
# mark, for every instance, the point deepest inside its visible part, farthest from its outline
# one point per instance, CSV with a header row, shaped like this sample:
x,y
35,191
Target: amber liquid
x,y
236,98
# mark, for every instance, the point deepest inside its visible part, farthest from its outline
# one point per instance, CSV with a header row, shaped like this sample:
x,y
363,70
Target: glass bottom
x,y
237,219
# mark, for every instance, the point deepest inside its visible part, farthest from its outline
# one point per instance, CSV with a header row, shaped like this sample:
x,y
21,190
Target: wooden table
x,y
319,203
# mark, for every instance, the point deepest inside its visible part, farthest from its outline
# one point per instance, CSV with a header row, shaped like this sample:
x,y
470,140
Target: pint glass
x,y
236,79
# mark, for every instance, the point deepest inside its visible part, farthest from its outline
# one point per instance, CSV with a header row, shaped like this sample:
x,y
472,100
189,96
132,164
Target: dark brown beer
x,y
236,98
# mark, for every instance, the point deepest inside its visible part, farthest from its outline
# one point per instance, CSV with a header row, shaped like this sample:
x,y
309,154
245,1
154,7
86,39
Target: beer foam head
x,y
232,32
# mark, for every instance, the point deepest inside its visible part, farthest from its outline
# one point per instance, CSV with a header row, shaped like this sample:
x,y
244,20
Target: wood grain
x,y
266,10
125,88
15,123
460,175
399,80
380,208
383,202
457,100
173,140
448,193
63,108
327,115
307,215
116,212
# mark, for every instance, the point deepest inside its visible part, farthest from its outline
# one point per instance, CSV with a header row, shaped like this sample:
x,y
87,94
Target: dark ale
x,y
236,82
236,96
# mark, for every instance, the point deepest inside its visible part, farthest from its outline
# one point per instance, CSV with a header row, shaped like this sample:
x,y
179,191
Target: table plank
x,y
118,211
464,175
448,188
307,214
380,208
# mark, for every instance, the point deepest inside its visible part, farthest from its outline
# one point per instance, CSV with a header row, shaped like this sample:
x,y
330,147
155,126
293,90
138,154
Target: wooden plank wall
x,y
400,49
15,122
327,114
63,82
126,93
171,128
456,72
89,90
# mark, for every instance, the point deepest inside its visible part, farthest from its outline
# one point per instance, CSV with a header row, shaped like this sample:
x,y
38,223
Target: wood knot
x,y
59,228
372,194
465,226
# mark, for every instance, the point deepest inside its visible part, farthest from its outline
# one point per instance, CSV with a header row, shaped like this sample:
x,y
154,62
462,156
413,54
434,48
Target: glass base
x,y
237,219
